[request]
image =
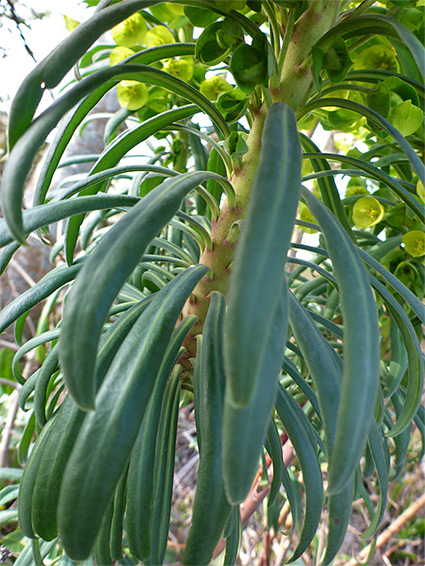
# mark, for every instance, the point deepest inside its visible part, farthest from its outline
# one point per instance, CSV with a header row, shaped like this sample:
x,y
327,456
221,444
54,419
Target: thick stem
x,y
295,84
224,235
297,78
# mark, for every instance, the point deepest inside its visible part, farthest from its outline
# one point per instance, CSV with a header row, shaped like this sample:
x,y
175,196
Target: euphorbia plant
x,y
178,282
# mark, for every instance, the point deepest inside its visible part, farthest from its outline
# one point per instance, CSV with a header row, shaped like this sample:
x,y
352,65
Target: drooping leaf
x,y
251,309
361,348
110,265
122,400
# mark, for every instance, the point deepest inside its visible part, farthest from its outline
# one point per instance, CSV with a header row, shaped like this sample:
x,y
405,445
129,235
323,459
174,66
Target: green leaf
x,y
23,153
116,539
210,509
415,363
375,443
110,265
10,474
339,509
68,422
26,485
69,125
260,258
114,153
108,434
274,448
48,370
164,468
141,473
46,214
322,366
411,155
245,429
328,189
361,348
46,286
102,549
296,425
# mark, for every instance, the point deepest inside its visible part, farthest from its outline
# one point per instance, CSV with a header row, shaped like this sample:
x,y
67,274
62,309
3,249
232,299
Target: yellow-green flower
x,y
382,57
131,31
70,23
175,9
367,211
214,86
354,190
159,35
180,68
119,54
158,99
305,214
132,94
414,243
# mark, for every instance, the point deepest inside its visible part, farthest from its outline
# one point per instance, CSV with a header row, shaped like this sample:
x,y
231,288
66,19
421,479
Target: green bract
x,y
305,215
382,57
232,104
367,211
132,94
71,23
119,54
158,35
249,67
406,117
213,87
131,31
414,243
208,49
180,68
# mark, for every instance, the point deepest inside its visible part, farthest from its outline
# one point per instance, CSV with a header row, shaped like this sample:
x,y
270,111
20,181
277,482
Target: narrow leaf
x,y
258,277
361,348
108,434
110,265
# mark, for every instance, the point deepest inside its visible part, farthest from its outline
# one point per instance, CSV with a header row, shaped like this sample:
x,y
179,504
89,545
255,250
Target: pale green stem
x,y
297,77
295,86
267,96
286,39
271,14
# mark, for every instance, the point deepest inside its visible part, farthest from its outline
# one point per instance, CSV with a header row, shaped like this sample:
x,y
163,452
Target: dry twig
x,y
395,526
